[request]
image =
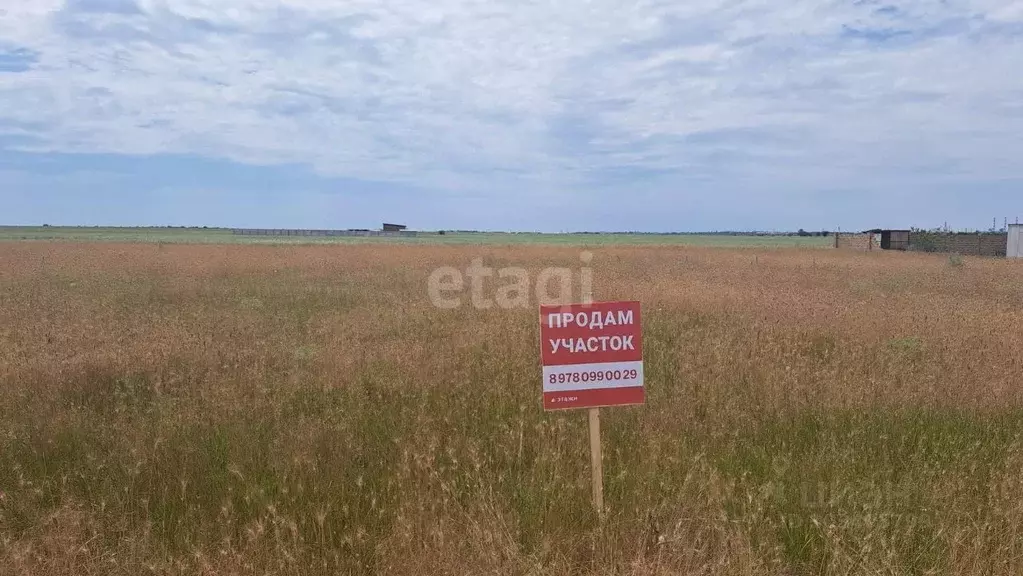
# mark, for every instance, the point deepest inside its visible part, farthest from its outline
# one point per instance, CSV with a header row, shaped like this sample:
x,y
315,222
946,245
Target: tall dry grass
x,y
305,410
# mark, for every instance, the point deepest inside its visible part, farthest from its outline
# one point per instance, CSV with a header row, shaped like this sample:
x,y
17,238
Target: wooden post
x,y
596,462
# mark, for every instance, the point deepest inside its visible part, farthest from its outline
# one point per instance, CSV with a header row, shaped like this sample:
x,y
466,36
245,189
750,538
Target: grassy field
x,y
225,236
214,409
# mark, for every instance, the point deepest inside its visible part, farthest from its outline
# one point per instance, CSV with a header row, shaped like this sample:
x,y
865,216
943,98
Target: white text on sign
x,y
592,355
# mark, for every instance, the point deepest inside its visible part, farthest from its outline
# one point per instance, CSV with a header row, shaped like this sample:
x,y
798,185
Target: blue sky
x,y
651,115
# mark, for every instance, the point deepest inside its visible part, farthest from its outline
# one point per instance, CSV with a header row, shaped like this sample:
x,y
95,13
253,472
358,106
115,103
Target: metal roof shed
x,y
1014,249
895,239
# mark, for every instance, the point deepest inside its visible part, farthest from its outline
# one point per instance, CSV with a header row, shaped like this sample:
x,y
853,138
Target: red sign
x,y
592,355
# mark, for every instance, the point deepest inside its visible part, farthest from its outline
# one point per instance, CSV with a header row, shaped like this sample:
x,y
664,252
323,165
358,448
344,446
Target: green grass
x,y
225,236
202,481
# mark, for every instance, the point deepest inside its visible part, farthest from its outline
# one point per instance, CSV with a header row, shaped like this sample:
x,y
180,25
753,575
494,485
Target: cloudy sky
x,y
523,115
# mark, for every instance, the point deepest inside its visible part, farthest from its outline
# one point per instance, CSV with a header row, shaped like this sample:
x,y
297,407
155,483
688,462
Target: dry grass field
x,y
208,409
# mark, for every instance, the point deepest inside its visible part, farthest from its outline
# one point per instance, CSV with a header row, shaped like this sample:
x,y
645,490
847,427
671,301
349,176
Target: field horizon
x,y
202,235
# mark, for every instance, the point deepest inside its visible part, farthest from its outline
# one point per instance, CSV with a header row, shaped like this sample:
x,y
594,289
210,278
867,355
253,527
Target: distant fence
x,y
977,244
320,233
991,244
862,242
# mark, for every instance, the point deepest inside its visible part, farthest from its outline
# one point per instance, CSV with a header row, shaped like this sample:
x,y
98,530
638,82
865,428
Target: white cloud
x,y
456,93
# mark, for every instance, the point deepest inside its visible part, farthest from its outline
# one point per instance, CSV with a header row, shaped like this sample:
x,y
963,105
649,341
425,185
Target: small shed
x,y
1014,249
895,239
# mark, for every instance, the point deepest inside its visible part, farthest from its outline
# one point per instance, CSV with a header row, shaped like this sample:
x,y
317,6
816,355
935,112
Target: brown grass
x,y
305,410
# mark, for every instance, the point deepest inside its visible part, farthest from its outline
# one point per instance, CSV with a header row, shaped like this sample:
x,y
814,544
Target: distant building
x,y
1014,248
988,244
890,239
895,239
394,227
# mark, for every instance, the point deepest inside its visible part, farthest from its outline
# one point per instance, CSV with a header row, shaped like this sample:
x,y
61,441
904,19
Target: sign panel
x,y
592,355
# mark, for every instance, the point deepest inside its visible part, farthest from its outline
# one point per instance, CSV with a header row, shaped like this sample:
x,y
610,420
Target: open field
x,y
230,409
224,236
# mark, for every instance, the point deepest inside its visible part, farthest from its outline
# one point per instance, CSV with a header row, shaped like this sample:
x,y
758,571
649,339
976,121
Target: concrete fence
x,y
978,244
320,233
862,242
992,244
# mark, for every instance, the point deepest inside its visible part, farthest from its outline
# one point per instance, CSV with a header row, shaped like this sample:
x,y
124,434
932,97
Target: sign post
x,y
592,357
596,462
